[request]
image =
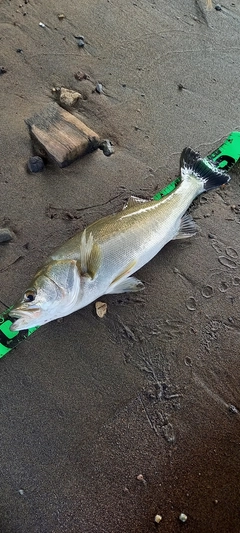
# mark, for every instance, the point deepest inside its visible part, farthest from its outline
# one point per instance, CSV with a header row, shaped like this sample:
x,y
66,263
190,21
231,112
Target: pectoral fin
x,y
90,256
187,228
126,285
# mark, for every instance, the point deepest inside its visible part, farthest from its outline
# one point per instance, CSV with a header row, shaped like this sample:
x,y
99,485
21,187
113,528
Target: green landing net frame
x,y
223,157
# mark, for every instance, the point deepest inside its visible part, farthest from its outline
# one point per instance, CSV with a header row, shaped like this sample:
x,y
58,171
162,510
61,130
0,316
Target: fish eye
x,y
30,295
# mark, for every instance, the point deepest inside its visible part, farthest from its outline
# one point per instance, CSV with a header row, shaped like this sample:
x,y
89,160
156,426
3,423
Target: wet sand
x,y
152,389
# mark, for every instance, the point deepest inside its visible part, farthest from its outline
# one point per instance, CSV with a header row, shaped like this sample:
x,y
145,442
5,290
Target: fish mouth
x,y
23,319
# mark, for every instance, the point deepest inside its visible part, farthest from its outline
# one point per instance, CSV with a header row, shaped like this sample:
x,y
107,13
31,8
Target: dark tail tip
x,y
210,175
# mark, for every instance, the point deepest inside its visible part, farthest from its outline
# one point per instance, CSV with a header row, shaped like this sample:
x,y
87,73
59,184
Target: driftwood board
x,y
61,135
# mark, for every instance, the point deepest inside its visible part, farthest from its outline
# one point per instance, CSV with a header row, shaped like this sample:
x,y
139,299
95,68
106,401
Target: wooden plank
x,y
61,135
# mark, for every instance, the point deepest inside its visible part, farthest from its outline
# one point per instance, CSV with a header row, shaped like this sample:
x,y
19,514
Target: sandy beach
x,y
152,389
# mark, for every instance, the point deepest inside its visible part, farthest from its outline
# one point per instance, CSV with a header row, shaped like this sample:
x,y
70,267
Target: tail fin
x,y
191,163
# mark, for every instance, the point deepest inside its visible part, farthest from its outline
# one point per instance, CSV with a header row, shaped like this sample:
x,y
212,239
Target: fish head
x,y
51,294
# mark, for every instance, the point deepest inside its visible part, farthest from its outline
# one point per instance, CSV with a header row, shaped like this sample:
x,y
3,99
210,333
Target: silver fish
x,y
102,258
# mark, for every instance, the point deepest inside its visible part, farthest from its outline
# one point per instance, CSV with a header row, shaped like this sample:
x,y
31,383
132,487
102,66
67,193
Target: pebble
x,y
61,16
183,517
232,409
158,518
81,43
106,147
35,164
42,25
21,492
80,75
218,7
141,478
99,88
5,235
3,70
19,51
69,97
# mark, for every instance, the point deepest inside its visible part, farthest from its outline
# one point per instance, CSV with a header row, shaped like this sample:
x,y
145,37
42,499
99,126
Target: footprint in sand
x,y
231,252
191,304
217,246
223,286
207,291
227,261
236,281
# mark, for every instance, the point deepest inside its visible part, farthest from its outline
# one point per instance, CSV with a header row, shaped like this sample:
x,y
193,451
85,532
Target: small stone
x,y
80,75
69,97
61,16
21,492
106,147
141,478
81,43
99,88
42,25
218,7
232,409
183,517
101,309
5,235
3,70
35,164
19,51
158,518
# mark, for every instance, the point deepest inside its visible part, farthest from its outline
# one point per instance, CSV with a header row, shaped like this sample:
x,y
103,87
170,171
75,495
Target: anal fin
x,y
187,228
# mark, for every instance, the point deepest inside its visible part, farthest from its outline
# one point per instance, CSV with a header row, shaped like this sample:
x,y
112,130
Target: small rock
x,y
19,51
80,75
21,492
232,409
218,7
101,309
35,164
5,235
99,88
183,517
69,97
106,147
42,25
61,16
81,43
158,518
141,478
3,70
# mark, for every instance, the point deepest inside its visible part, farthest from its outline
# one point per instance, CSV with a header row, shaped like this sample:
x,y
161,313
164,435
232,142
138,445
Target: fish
x,y
103,257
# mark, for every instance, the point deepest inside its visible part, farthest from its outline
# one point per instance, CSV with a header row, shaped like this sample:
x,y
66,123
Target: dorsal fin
x,y
133,201
90,256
